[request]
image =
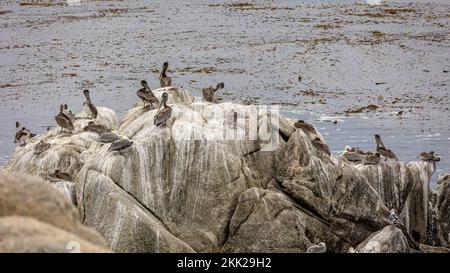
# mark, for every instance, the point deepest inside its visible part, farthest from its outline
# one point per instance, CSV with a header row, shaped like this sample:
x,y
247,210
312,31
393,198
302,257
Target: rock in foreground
x,y
35,217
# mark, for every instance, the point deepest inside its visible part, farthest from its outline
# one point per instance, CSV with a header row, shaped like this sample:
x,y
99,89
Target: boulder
x,y
26,234
32,204
439,214
228,178
269,221
390,239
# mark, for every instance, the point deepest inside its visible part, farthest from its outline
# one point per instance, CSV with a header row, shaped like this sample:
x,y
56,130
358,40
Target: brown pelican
x,y
107,137
63,120
319,248
58,176
382,150
41,147
429,156
320,145
120,145
353,156
22,136
372,159
306,127
89,108
146,94
164,80
163,114
209,92
96,128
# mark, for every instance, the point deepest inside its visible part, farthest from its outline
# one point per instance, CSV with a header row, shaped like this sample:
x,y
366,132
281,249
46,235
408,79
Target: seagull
x,y
393,218
319,248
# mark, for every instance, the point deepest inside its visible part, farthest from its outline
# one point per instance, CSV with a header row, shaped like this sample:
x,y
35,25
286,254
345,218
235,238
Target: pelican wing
x,y
63,121
208,94
165,81
162,116
147,96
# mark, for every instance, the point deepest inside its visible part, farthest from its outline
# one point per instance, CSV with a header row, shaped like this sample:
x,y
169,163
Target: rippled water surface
x,y
320,60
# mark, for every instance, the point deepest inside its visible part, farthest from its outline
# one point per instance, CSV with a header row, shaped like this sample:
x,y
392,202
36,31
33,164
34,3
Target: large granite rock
x,y
194,186
35,217
439,214
388,240
269,221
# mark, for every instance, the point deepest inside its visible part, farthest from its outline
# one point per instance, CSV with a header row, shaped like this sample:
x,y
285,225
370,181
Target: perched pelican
x,y
352,154
353,157
429,156
209,92
89,108
164,80
319,248
320,145
306,127
163,114
96,128
120,145
372,159
63,120
59,176
146,94
22,136
383,150
41,147
108,137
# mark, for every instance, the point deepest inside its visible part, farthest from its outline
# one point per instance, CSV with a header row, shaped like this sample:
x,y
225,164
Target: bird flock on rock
x,y
65,120
356,155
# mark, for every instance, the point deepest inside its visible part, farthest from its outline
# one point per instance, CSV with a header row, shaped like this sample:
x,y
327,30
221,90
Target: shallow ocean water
x,y
347,54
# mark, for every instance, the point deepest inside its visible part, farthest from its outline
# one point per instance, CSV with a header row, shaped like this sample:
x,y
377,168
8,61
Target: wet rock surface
x,y
179,189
